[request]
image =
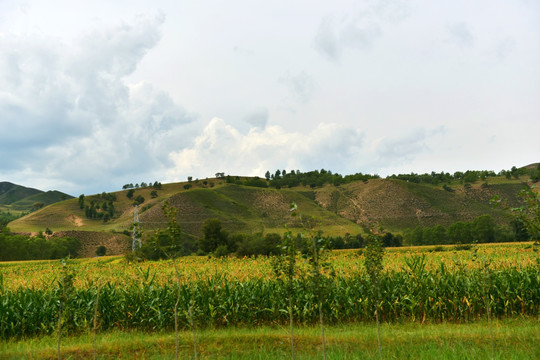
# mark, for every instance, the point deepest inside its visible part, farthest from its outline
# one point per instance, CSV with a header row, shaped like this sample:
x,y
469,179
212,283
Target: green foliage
x,y
101,250
373,257
527,216
81,201
256,244
316,178
22,247
138,200
102,211
256,182
167,243
285,271
213,236
482,229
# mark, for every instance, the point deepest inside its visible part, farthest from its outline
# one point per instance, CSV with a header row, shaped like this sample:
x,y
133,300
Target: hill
x,y
19,198
348,208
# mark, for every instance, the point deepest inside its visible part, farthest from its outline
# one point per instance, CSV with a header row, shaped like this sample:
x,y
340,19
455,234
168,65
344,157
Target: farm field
x,y
426,293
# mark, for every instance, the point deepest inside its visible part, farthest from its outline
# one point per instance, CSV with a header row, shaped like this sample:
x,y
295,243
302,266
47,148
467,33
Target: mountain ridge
x,y
21,198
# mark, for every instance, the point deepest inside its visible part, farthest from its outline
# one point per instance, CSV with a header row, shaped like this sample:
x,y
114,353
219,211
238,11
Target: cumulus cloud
x,y
221,147
66,110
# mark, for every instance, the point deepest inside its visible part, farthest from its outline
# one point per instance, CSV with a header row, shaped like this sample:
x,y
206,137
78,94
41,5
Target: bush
x,y
138,200
101,250
221,251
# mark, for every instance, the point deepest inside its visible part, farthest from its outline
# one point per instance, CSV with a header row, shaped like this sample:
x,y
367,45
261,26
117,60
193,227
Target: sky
x,y
98,94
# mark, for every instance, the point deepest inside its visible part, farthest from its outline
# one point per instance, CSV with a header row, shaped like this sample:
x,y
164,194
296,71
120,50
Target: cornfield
x,y
442,286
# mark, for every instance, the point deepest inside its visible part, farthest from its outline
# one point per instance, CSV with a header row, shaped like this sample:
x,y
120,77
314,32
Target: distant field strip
x,y
113,269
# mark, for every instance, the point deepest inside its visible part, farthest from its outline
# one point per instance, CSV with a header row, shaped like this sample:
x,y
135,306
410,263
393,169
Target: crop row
x,y
417,294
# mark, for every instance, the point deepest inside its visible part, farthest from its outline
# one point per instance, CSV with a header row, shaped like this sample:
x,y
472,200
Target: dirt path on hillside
x,y
75,220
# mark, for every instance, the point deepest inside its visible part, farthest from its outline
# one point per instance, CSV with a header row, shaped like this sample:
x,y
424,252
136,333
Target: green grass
x,y
513,339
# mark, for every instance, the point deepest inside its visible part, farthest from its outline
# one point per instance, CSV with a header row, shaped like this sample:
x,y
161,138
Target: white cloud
x,y
70,114
222,148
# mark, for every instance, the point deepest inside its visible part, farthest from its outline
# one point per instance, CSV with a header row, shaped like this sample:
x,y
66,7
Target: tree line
x,y
469,176
217,241
317,178
156,185
482,229
23,247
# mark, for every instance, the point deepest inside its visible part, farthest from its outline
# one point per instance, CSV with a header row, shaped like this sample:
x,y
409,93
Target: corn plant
x,y
485,284
65,286
285,270
320,275
168,241
373,261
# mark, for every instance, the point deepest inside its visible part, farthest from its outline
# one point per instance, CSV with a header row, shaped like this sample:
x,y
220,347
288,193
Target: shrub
x,y
101,250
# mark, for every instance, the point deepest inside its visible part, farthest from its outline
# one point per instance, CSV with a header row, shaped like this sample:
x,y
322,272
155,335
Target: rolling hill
x,y
19,198
347,208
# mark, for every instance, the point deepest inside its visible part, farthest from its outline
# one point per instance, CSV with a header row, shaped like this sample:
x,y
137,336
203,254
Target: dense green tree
x,y
483,228
213,236
460,233
139,199
101,250
81,201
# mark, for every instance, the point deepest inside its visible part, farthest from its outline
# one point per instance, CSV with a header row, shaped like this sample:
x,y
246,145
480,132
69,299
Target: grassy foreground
x,y
513,339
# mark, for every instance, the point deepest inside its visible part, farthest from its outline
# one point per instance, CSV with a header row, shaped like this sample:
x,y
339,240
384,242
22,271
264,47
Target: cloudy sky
x,y
112,92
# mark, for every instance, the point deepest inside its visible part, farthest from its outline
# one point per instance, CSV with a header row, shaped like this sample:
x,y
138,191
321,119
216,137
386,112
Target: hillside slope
x,y
240,208
395,204
21,198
